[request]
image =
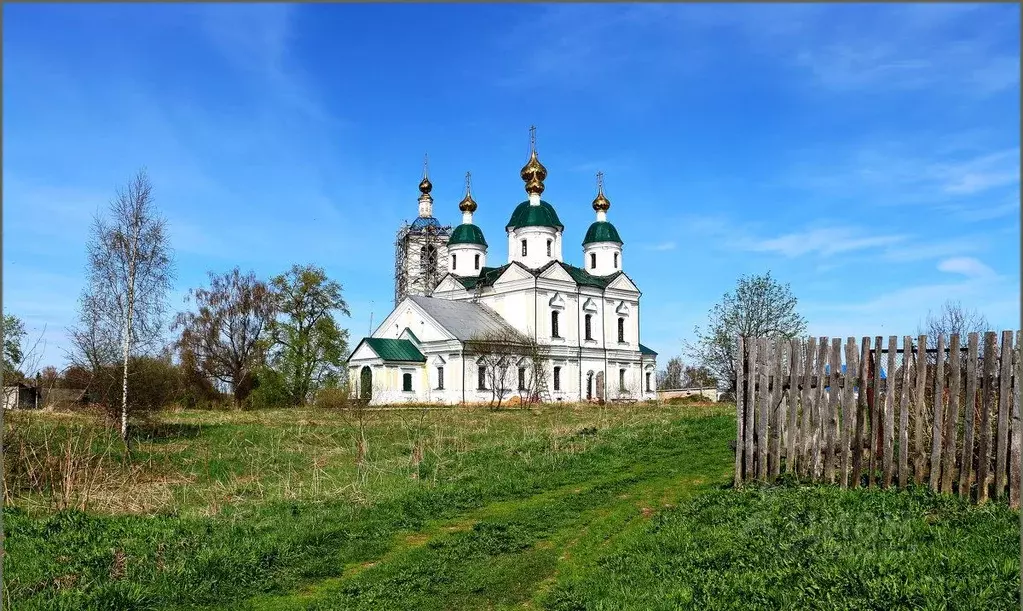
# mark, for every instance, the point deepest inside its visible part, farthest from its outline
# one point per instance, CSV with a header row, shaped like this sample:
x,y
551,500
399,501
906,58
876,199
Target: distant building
x,y
587,317
21,396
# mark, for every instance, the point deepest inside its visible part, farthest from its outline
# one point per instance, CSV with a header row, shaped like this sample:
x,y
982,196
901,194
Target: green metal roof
x,y
584,278
413,335
488,275
601,231
534,216
395,349
644,350
467,233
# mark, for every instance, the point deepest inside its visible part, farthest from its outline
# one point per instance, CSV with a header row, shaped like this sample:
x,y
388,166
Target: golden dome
x,y
601,202
468,204
533,173
425,186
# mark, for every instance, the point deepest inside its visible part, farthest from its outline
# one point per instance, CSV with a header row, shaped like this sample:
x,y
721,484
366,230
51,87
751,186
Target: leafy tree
x,y
698,376
14,335
130,270
226,337
759,306
310,346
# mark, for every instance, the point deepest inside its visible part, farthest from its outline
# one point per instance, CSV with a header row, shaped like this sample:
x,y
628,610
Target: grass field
x,y
559,508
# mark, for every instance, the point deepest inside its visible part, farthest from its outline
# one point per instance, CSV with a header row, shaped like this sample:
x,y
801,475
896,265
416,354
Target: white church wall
x,y
603,253
536,239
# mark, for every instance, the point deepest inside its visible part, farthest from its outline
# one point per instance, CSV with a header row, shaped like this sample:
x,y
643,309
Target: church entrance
x,y
366,384
589,385
600,385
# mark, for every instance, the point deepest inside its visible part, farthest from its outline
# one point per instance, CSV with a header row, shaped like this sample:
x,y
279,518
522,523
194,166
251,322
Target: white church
x,y
586,318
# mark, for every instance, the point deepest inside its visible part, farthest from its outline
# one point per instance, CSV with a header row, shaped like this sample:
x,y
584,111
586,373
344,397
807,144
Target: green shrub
x,y
270,390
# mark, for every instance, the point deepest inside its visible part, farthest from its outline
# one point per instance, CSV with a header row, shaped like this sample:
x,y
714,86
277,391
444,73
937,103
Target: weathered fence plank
x,y
1017,431
740,406
969,415
952,418
1004,405
792,441
763,412
848,411
889,411
861,413
806,429
751,403
988,391
907,346
919,398
831,413
875,412
821,409
938,401
777,409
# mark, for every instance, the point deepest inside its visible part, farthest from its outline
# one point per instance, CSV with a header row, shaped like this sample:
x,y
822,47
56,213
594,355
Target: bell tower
x,y
420,247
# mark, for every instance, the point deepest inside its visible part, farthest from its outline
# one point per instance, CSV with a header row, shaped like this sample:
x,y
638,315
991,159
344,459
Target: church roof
x,y
534,216
601,231
463,319
395,349
467,233
489,275
644,350
423,222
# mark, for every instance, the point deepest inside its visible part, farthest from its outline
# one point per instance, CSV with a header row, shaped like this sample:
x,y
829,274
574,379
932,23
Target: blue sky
x,y
866,154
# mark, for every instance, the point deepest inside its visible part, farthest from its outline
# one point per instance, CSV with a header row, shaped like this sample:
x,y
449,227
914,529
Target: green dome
x,y
534,216
467,233
601,231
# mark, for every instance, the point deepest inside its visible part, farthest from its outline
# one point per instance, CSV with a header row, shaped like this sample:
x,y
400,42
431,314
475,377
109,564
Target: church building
x,y
584,319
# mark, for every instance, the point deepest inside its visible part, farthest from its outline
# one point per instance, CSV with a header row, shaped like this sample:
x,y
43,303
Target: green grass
x,y
560,508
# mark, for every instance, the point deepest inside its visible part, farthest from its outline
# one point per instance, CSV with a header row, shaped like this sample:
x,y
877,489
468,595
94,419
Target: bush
x,y
269,390
152,385
333,398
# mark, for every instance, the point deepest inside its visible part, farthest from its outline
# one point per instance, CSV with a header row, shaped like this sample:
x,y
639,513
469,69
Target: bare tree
x,y
130,270
759,306
500,353
227,336
952,319
671,376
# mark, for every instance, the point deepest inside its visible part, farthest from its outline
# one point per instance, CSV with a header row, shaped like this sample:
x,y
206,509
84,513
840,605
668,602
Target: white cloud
x,y
663,246
824,241
967,266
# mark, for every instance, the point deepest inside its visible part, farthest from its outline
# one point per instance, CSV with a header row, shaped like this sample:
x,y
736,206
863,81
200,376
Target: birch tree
x,y
130,270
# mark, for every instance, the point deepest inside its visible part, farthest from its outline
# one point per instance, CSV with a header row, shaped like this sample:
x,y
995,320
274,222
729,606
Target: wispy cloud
x,y
663,246
825,241
966,266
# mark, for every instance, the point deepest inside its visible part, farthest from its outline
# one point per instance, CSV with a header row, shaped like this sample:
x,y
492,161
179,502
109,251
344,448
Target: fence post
x,y
764,408
777,407
740,414
969,415
792,443
876,431
848,409
806,462
987,386
952,422
907,347
889,411
862,415
749,391
1004,405
1014,448
919,447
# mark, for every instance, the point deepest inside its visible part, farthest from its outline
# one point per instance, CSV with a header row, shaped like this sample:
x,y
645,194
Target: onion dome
x,y
533,173
527,215
601,203
468,204
467,233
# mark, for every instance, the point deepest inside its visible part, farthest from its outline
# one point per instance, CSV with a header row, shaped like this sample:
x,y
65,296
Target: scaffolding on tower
x,y
418,264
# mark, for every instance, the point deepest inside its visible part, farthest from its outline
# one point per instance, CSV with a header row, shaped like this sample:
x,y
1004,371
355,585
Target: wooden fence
x,y
947,417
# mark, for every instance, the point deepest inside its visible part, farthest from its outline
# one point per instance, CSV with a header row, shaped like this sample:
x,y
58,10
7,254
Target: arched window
x,y
616,260
593,260
589,326
481,375
522,378
548,248
621,379
453,260
477,261
554,324
621,330
406,382
557,378
523,248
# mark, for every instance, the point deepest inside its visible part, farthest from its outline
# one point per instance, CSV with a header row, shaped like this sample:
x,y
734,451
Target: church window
x,y
554,324
616,260
557,378
621,379
648,382
589,326
482,378
621,330
406,382
523,248
593,260
522,378
440,378
428,257
548,248
477,261
453,260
